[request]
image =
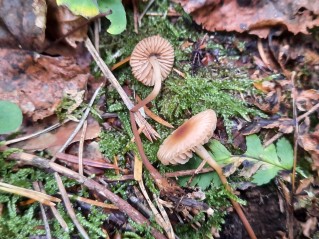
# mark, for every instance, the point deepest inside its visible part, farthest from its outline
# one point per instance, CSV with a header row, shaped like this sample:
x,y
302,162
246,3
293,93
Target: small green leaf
x,y
10,117
85,8
285,153
117,17
264,176
270,155
254,146
219,151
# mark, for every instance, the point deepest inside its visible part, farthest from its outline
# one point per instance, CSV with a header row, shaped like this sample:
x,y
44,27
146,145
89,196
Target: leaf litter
x,y
37,82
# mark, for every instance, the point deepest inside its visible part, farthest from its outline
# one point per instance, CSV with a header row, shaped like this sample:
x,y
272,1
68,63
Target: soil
x,y
262,211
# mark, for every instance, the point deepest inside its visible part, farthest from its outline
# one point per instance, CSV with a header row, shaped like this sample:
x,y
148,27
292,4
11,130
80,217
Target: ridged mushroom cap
x,y
148,47
178,148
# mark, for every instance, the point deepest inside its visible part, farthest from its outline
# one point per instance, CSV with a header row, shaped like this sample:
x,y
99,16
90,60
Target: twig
x,y
56,213
149,132
135,14
44,216
79,126
35,134
262,54
169,14
168,226
88,182
81,145
68,206
156,214
144,12
299,118
187,172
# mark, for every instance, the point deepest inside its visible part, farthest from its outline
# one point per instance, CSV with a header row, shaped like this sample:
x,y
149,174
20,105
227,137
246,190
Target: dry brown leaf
x,y
22,23
306,99
310,143
254,17
37,82
53,141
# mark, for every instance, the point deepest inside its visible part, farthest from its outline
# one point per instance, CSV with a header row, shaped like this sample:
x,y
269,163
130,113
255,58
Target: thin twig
x,y
168,226
144,12
35,134
135,14
156,214
44,216
79,126
299,118
56,213
187,172
81,145
68,206
88,182
149,132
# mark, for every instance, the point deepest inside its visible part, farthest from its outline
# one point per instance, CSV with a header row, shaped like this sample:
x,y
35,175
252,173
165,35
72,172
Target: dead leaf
x,y
310,142
284,125
309,226
23,23
53,141
254,17
37,82
62,21
306,99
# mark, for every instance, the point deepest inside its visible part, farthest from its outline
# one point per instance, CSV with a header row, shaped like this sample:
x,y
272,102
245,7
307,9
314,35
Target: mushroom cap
x,y
154,46
180,145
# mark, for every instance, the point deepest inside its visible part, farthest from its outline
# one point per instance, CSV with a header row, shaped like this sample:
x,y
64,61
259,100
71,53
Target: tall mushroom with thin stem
x,y
190,137
151,61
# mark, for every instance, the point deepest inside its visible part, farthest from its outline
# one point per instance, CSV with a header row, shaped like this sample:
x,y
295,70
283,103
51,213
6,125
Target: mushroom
x,y
190,137
151,61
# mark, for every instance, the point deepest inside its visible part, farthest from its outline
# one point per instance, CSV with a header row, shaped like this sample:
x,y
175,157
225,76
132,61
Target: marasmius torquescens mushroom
x,y
151,61
190,137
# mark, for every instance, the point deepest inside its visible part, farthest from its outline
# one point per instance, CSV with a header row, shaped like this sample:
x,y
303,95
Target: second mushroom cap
x,y
180,145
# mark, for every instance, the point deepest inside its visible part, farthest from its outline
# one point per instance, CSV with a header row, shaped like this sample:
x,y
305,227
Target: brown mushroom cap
x,y
154,46
180,145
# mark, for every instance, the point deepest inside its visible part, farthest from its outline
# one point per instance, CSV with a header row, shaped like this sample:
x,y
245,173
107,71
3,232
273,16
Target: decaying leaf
x,y
22,23
310,143
37,82
285,125
306,99
53,141
254,17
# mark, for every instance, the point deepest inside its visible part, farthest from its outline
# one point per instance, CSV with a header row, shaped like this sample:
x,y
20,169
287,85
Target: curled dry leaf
x,y
306,99
254,17
37,82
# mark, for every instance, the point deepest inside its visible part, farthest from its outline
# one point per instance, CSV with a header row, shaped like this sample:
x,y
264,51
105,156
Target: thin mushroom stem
x,y
202,152
157,84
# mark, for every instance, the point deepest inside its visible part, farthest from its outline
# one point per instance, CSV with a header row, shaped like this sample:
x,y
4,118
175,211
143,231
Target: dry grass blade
x,y
93,202
38,196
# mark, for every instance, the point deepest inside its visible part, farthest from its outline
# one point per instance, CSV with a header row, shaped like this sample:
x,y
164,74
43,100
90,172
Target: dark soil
x,y
262,211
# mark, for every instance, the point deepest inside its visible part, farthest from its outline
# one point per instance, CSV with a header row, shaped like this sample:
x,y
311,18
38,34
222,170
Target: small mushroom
x,y
190,137
151,61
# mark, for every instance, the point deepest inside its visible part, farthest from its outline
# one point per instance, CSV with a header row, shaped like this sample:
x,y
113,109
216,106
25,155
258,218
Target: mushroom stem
x,y
202,152
157,84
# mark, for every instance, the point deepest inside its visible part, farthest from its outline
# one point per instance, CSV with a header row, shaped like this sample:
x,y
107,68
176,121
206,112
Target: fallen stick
x,y
123,206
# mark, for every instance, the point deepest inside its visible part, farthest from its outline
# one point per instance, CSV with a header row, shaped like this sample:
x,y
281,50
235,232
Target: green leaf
x,y
262,164
10,117
264,176
254,146
219,151
117,17
85,8
285,153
